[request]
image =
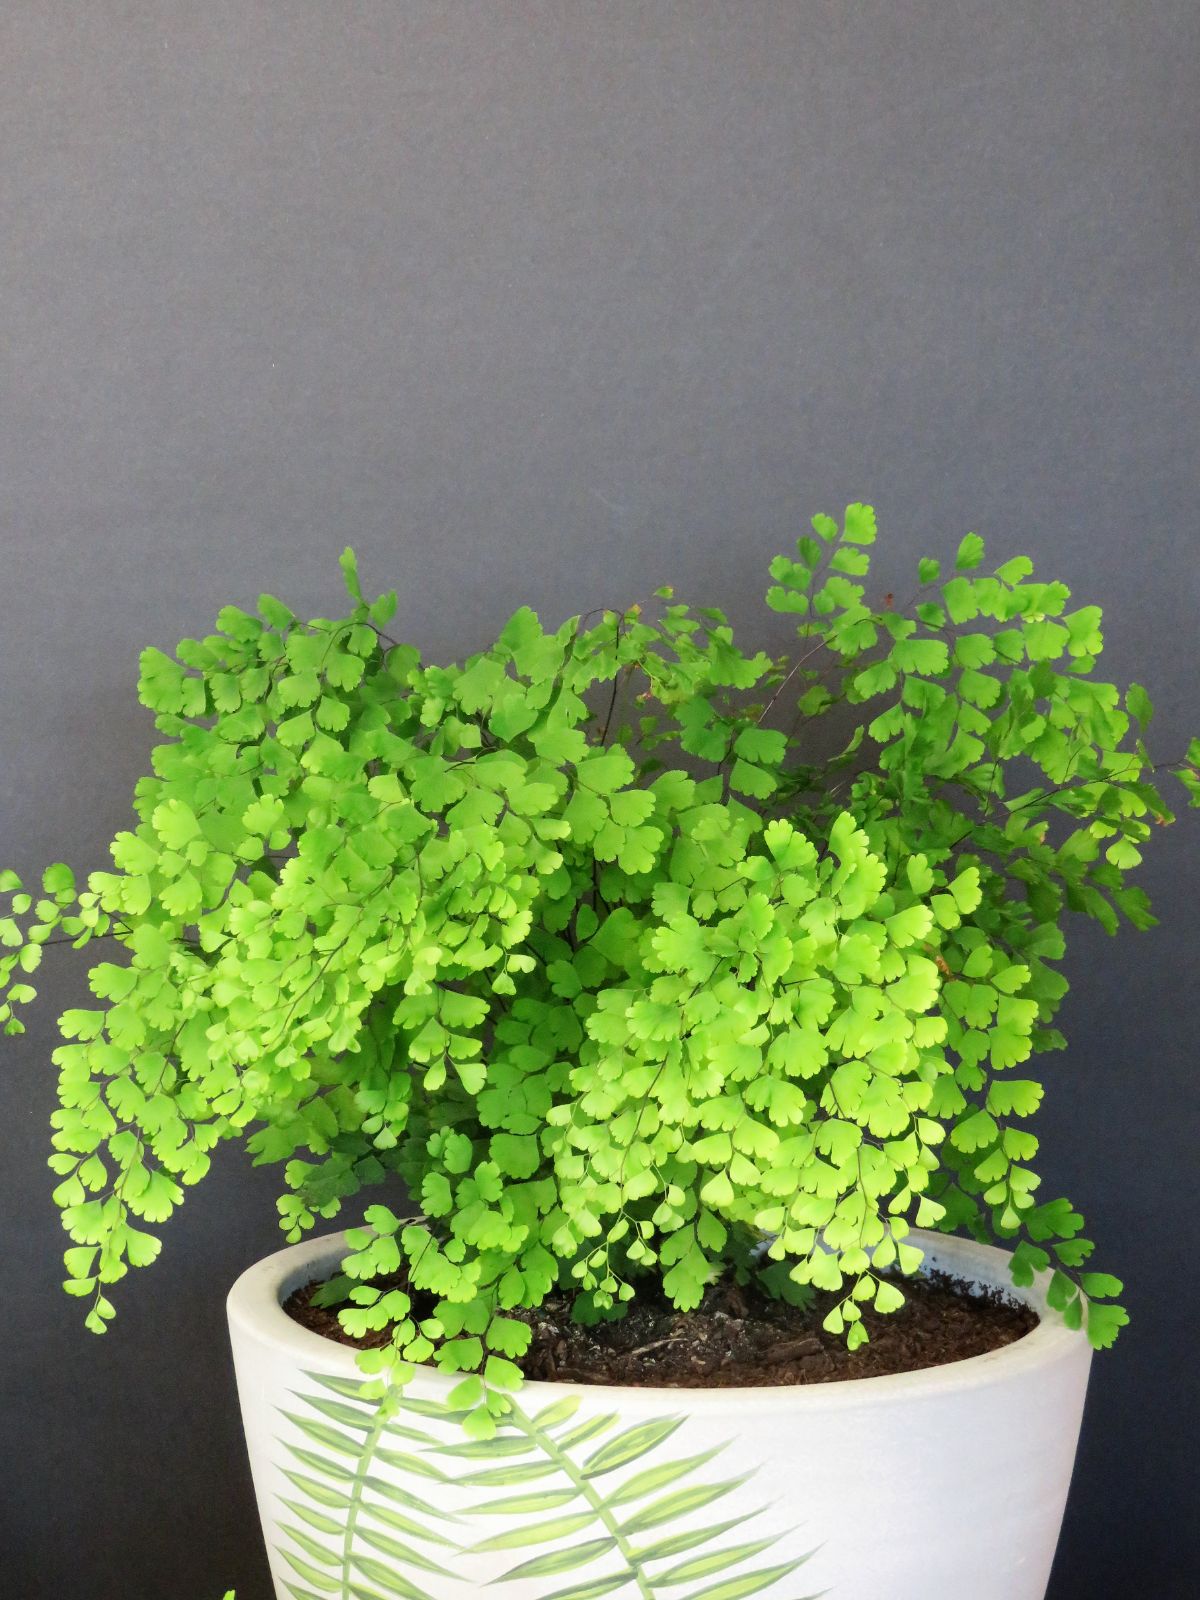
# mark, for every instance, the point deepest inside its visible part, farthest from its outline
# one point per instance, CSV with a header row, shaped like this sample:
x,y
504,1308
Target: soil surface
x,y
738,1337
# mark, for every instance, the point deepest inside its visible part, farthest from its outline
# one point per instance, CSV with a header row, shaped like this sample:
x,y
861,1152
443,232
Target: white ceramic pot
x,y
945,1484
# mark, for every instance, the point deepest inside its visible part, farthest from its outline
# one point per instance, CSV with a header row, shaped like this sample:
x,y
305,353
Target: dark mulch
x,y
739,1337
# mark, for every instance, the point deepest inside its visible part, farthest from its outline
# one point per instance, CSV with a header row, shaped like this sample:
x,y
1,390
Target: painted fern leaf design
x,y
583,1509
573,1510
357,1528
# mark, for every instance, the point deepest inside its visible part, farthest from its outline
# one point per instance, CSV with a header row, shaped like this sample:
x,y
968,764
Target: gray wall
x,y
555,302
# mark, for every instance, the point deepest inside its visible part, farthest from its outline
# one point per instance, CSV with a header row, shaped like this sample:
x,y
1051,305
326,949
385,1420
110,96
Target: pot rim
x,y
255,1311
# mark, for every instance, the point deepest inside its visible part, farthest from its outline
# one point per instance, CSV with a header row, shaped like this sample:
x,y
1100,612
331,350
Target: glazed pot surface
x,y
941,1484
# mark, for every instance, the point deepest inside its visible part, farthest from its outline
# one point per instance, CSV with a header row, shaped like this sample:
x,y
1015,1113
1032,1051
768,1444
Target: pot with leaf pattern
x,y
930,1485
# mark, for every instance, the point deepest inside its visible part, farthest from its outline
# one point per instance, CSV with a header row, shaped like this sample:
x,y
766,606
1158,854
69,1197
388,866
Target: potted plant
x,y
650,970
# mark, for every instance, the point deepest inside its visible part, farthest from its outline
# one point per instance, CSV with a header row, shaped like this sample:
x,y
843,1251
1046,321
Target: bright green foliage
x,y
585,941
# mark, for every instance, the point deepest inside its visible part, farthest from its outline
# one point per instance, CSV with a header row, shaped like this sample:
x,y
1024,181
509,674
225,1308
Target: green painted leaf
x,y
562,1560
434,1409
488,1449
681,1504
705,1566
398,1550
519,1504
315,1519
537,1532
652,1478
418,1436
310,1574
594,1588
392,1518
628,1446
407,1462
587,1430
676,1544
319,1433
348,1388
336,1411
747,1583
320,1492
311,1546
556,1412
405,1497
323,1464
387,1579
508,1477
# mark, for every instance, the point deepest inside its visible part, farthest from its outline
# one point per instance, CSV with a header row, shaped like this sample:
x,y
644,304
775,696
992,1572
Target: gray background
x,y
555,302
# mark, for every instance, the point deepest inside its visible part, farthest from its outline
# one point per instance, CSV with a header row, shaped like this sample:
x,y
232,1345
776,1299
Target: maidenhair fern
x,y
593,942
